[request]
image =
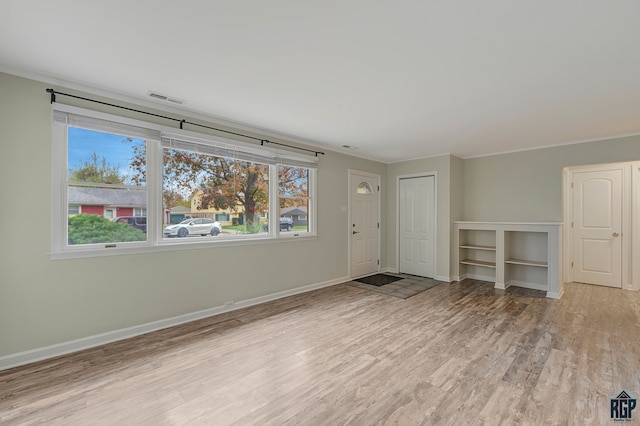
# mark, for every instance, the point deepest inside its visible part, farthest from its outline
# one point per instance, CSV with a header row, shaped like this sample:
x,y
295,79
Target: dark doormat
x,y
378,279
405,287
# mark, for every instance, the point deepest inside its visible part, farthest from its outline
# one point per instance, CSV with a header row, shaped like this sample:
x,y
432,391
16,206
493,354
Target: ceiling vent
x,y
166,98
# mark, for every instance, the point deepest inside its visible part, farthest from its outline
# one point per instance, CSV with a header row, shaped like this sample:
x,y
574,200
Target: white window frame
x,y
155,242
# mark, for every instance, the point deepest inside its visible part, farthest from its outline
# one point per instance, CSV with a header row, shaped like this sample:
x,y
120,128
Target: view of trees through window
x,y
293,197
223,186
101,186
107,181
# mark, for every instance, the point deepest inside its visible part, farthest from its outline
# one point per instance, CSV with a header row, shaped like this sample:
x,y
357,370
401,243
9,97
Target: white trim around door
x,y
629,229
354,228
435,218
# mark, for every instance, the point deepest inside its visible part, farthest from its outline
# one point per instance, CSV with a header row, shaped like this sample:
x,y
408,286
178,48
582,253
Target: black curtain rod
x,y
53,94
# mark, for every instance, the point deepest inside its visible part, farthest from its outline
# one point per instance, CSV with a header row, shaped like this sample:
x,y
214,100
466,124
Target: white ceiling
x,y
397,79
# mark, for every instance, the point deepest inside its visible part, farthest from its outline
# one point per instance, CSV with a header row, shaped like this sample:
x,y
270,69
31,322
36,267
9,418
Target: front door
x,y
597,227
417,225
364,224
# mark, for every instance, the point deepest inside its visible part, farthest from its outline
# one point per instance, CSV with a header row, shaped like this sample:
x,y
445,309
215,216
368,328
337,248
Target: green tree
x,y
95,229
96,170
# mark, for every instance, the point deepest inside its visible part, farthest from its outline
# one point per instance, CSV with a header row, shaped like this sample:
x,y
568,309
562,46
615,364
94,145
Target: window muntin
x,y
144,177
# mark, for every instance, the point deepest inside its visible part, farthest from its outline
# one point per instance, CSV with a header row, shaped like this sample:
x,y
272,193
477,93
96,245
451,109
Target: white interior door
x,y
597,227
364,225
417,226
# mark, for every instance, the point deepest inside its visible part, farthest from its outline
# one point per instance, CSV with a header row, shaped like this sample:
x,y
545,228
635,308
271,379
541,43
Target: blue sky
x,y
114,148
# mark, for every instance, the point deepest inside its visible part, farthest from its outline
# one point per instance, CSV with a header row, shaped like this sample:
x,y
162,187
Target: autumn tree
x,y
174,198
293,186
226,183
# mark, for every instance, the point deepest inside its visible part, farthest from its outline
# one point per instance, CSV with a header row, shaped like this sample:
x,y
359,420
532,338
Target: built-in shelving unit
x,y
477,252
508,253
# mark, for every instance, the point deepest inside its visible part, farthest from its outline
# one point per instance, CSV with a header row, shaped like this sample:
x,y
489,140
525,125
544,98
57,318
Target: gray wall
x,y
527,186
44,302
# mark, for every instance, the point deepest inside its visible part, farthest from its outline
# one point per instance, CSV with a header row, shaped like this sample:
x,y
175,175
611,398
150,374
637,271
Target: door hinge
x,y
572,224
378,187
572,264
378,225
571,184
378,261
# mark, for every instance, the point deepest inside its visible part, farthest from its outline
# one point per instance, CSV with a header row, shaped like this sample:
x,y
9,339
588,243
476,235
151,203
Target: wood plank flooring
x,y
462,353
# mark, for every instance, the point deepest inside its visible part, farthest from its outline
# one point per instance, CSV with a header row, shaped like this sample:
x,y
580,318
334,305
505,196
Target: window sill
x,y
177,245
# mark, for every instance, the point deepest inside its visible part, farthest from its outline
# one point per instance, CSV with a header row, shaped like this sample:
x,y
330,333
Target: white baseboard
x,y
389,270
26,357
502,286
554,295
443,278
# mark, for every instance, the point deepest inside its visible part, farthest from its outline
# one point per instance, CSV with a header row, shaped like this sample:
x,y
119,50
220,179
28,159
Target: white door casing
x,y
417,225
597,227
364,223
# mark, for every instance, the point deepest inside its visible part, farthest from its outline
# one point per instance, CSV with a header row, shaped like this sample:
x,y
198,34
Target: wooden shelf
x,y
526,262
476,247
478,263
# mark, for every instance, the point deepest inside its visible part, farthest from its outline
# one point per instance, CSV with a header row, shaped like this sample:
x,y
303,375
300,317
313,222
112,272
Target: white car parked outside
x,y
197,226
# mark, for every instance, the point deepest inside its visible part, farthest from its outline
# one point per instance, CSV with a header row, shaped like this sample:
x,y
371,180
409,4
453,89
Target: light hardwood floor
x,y
459,354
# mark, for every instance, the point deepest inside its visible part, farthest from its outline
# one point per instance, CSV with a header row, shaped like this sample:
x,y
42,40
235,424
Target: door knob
x,y
355,232
615,234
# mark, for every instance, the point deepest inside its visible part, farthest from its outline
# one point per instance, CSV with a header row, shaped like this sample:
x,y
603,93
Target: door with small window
x,y
364,224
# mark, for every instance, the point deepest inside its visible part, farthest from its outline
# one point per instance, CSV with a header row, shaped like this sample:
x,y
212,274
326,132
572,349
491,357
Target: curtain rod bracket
x,y
182,122
53,95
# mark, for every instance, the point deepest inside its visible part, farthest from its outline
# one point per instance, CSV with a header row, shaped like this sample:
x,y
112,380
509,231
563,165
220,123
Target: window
x,y
98,174
364,188
218,178
106,166
223,217
293,194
